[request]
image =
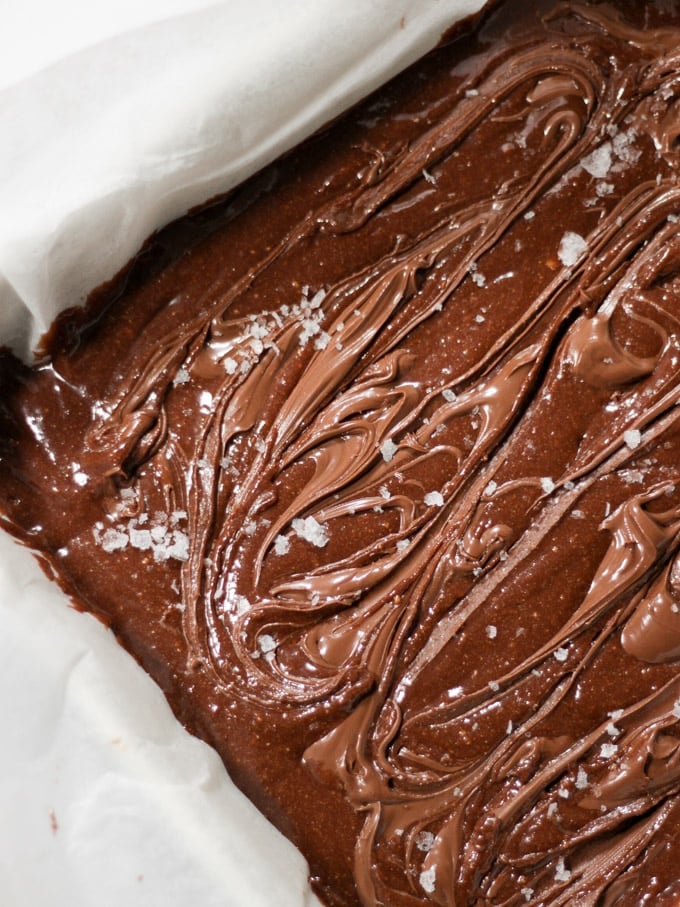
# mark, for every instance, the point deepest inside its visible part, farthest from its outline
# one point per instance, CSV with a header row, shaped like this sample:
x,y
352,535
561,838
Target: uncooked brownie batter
x,y
375,467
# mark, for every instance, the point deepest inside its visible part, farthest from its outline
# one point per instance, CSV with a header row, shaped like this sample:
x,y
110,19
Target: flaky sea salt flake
x,y
266,643
434,499
547,484
114,540
317,299
562,874
632,438
424,841
140,538
572,247
427,879
281,545
310,530
179,548
388,449
598,162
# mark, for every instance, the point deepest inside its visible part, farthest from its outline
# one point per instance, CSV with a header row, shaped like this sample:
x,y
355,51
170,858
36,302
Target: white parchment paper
x,y
114,119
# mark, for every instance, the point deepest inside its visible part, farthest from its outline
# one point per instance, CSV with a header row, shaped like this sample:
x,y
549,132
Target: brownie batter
x,y
374,466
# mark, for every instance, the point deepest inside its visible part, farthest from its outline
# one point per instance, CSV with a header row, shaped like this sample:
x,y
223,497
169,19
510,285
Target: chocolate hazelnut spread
x,y
375,467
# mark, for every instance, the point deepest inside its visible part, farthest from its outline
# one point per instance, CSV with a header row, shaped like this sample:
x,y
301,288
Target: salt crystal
x,y
230,365
158,533
561,654
403,544
310,328
427,879
527,893
491,631
604,189
281,545
562,874
623,149
182,376
424,841
572,247
449,395
266,643
434,499
140,538
241,604
114,540
310,530
607,750
547,484
317,299
388,449
632,438
581,778
179,549
598,162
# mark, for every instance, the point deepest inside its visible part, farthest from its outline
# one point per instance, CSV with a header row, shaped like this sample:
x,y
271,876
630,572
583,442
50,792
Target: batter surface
x,y
375,467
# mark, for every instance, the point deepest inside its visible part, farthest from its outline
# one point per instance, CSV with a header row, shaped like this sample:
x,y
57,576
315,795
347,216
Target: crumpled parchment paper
x,y
115,119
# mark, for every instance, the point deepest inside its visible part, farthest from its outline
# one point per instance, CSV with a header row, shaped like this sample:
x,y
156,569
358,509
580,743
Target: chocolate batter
x,y
375,467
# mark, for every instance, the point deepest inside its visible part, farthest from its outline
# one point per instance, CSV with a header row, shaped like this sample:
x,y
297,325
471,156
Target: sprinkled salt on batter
x,y
388,449
572,247
632,438
310,530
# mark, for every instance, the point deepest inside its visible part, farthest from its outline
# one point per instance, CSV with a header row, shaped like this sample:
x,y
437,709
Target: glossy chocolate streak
x,y
390,487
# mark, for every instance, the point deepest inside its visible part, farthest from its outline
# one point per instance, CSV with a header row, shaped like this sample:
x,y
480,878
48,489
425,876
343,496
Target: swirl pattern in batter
x,y
375,467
